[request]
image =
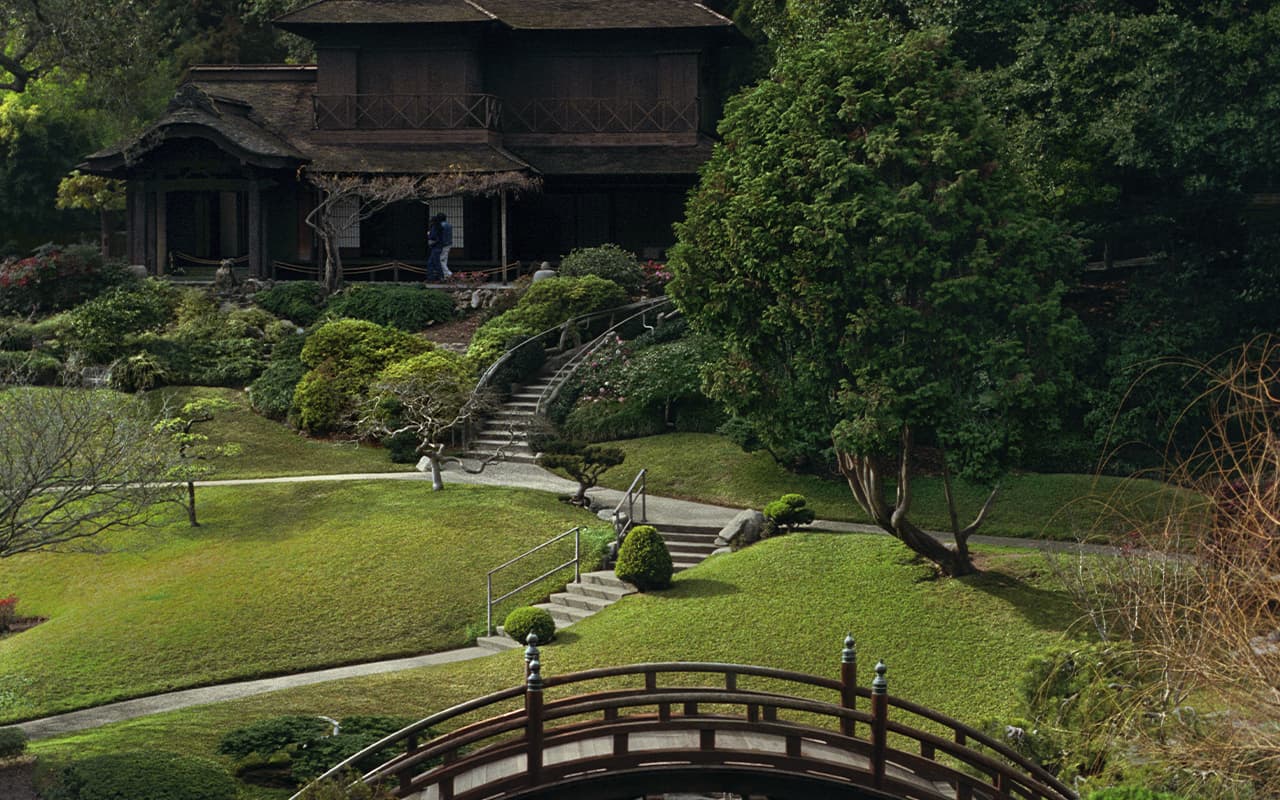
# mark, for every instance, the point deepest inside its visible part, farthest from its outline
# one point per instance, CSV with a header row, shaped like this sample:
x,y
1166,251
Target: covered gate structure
x,y
629,731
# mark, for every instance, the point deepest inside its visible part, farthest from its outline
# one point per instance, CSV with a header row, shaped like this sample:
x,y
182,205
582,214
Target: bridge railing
x,y
926,745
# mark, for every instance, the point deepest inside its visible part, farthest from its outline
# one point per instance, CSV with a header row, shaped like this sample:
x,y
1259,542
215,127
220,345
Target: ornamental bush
x,y
39,369
267,737
297,301
102,328
526,620
8,610
547,303
608,261
409,308
56,278
789,512
609,420
643,559
344,358
145,776
13,742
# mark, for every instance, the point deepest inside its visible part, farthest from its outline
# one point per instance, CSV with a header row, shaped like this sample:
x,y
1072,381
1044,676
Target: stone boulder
x,y
743,530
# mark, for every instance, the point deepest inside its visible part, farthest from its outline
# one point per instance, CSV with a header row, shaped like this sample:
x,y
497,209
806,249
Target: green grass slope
x,y
711,469
278,578
957,645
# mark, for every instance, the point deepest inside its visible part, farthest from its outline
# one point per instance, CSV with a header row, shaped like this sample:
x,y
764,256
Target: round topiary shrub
x,y
608,261
643,559
526,620
146,776
13,742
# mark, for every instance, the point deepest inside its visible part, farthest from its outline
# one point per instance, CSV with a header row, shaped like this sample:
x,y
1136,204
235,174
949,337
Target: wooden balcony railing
x,y
412,111
487,112
600,115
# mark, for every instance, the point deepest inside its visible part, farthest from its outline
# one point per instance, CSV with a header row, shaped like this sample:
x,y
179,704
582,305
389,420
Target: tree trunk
x,y
866,480
433,458
191,504
332,265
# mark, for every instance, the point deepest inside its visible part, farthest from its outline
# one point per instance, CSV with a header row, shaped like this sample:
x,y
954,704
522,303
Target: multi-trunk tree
x,y
878,275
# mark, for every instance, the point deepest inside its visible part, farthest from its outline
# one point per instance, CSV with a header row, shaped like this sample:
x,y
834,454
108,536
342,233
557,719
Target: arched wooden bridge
x,y
655,728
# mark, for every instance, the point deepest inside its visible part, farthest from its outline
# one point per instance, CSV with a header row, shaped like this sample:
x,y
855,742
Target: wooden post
x,y
533,720
849,683
502,214
879,723
162,232
256,233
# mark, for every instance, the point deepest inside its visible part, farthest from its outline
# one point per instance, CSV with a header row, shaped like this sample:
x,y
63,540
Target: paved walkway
x,y
659,511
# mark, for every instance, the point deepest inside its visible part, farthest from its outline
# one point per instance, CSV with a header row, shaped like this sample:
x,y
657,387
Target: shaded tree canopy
x,y
878,275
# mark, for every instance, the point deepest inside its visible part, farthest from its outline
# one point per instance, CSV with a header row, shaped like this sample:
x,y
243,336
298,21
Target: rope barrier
x,y
197,261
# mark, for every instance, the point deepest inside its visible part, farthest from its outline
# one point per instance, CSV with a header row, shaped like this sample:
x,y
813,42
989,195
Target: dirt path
x,y
15,782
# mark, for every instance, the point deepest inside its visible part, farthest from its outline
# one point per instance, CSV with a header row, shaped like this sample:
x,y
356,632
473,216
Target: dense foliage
x,y
876,273
409,308
13,742
608,261
547,304
298,301
144,775
55,279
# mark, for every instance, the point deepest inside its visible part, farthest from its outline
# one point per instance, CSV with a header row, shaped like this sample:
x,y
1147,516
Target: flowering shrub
x,y
469,278
7,610
656,277
54,279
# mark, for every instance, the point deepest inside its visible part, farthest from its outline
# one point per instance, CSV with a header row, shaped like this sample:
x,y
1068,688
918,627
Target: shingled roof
x,y
565,15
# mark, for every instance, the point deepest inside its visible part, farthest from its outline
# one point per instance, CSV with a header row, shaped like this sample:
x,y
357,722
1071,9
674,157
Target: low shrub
x,y
136,373
8,610
271,394
494,338
145,776
320,405
57,278
39,369
402,447
1130,793
317,755
608,420
526,620
608,261
297,301
547,304
409,308
267,737
13,742
788,512
102,327
699,415
643,559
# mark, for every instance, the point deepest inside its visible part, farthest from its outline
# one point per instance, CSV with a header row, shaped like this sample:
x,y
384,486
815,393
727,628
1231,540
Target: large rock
x,y
742,530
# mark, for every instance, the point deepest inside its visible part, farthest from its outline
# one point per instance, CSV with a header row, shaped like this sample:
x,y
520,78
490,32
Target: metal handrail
x,y
621,524
560,331
552,391
576,562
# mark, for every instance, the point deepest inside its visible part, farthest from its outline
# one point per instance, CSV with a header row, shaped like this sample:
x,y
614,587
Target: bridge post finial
x,y
531,653
849,682
879,723
533,718
533,683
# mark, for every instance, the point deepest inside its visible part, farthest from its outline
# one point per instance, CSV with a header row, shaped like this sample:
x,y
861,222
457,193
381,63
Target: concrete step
x,y
516,456
601,590
605,577
687,538
583,601
513,415
686,552
497,643
564,615
708,530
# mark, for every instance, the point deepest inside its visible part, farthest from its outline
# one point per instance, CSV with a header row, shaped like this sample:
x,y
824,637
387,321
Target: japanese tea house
x,y
556,123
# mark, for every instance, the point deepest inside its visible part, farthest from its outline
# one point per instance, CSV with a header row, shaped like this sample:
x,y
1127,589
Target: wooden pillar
x,y
533,720
162,232
256,225
135,226
848,683
879,724
502,203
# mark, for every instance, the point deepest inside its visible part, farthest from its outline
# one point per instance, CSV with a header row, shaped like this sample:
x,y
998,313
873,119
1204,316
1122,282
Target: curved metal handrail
x,y
1002,764
571,367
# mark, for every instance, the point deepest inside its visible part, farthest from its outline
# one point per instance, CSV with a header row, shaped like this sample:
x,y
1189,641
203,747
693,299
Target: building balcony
x,y
537,115
446,112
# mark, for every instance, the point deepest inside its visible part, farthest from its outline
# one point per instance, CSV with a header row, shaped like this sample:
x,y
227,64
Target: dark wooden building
x,y
561,123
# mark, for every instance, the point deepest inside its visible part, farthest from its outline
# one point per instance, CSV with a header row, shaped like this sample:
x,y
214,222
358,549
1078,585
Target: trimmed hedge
x,y
298,301
608,261
409,308
145,776
526,620
643,559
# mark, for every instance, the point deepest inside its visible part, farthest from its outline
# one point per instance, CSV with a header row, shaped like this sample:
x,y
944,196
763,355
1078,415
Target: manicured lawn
x,y
279,578
957,645
270,449
710,468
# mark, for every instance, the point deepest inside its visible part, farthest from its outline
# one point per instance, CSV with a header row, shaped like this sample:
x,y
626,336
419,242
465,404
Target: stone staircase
x,y
688,545
511,419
